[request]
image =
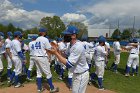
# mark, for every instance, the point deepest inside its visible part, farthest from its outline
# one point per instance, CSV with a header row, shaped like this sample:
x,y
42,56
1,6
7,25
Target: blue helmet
x,y
42,29
71,30
17,33
9,34
101,39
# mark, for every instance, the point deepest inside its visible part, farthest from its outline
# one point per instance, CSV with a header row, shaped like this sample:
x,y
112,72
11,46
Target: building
x,y
94,33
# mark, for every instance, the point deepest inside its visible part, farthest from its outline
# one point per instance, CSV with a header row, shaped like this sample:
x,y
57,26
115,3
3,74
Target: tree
x,y
30,31
54,26
83,32
127,33
116,33
138,32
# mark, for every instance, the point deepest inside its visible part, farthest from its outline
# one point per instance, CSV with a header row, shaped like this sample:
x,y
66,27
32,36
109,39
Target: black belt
x,y
81,72
132,53
41,56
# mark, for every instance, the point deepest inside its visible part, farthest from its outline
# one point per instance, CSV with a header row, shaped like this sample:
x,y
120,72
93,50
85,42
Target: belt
x,y
41,56
132,53
81,72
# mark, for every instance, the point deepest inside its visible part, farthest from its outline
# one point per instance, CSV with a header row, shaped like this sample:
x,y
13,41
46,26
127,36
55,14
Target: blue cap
x,y
9,34
59,39
17,33
34,37
1,34
42,30
135,40
102,39
71,30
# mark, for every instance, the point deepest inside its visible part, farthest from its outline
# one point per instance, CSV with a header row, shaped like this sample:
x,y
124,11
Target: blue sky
x,y
59,7
94,13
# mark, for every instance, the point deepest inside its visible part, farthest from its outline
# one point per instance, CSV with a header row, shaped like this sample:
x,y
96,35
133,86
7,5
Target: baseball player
x,y
133,58
7,46
17,58
76,60
2,51
31,49
24,48
42,50
107,57
87,47
117,51
100,54
62,48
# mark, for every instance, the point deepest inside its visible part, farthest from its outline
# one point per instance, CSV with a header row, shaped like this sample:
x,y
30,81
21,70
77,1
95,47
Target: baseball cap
x,y
70,30
9,33
59,39
101,39
42,29
135,40
34,37
17,33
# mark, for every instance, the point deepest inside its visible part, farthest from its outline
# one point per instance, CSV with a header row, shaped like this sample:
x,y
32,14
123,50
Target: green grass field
x,y
112,81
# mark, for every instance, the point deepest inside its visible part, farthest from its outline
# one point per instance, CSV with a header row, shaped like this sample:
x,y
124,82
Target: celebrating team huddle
x,y
69,53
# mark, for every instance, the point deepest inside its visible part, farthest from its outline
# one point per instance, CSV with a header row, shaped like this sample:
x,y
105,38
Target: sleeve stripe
x,y
70,63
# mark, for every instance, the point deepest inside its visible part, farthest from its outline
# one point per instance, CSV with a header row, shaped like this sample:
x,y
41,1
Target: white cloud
x,y
70,17
109,11
19,16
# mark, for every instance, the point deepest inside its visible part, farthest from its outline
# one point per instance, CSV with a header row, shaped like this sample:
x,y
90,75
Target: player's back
x,y
99,53
7,43
15,47
31,47
41,45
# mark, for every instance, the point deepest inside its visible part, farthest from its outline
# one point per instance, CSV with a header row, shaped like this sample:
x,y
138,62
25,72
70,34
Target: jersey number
x,y
38,45
32,46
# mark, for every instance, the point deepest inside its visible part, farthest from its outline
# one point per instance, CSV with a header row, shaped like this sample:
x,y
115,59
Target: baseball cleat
x,y
70,88
40,91
60,78
54,90
29,79
90,83
101,88
127,75
18,85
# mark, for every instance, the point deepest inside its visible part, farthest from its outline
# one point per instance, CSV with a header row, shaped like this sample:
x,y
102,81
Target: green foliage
x,y
54,25
82,29
127,33
30,31
9,27
116,33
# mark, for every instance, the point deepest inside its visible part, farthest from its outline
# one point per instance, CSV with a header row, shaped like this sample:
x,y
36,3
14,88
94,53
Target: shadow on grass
x,y
122,71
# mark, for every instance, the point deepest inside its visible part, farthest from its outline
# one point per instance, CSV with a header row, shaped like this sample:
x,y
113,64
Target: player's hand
x,y
53,50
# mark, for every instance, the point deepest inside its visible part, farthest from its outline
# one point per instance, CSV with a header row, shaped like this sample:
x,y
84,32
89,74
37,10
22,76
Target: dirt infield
x,y
31,88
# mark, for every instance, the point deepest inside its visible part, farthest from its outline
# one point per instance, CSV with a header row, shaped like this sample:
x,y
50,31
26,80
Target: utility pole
x,y
133,31
109,30
118,26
